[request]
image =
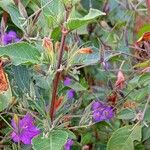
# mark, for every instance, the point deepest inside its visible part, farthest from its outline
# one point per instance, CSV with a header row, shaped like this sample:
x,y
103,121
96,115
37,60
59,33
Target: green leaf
x,y
144,78
145,133
70,2
147,115
87,138
13,11
56,34
54,141
99,146
126,114
133,82
143,64
123,138
139,95
86,118
75,23
53,12
145,28
22,77
140,146
71,135
77,87
26,2
85,59
5,98
20,53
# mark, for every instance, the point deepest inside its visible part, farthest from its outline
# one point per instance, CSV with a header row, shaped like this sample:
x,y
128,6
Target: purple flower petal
x,y
26,130
67,81
67,147
28,134
97,105
15,137
97,116
108,113
70,94
17,40
5,39
12,34
25,139
102,112
68,144
13,123
26,121
10,37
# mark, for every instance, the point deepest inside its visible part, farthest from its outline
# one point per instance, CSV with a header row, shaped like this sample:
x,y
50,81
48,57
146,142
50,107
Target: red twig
x,y
56,79
58,72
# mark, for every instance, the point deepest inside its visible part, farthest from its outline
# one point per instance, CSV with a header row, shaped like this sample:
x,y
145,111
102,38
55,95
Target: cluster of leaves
x,y
92,43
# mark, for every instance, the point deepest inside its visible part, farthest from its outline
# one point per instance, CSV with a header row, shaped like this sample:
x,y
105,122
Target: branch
x,y
56,79
58,69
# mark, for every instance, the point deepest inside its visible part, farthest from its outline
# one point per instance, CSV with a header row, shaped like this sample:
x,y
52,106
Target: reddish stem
x,y
58,72
56,79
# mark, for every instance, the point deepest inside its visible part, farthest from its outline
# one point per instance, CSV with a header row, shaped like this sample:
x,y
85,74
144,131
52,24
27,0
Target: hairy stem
x,y
58,71
56,79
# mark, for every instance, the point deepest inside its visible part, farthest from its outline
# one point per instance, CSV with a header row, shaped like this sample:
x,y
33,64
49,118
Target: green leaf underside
x,y
21,53
15,15
123,138
55,141
22,78
87,59
74,23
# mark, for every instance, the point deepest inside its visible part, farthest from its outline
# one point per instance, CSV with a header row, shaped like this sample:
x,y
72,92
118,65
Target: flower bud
x,y
86,50
48,45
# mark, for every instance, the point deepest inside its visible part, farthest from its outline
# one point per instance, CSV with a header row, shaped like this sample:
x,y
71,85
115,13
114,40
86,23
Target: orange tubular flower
x,y
120,81
86,50
48,45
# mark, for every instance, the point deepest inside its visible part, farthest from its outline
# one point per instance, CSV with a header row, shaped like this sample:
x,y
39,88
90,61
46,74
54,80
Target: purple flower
x,y
12,34
68,144
67,81
97,105
102,112
17,40
97,116
24,129
10,37
70,94
108,113
4,39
